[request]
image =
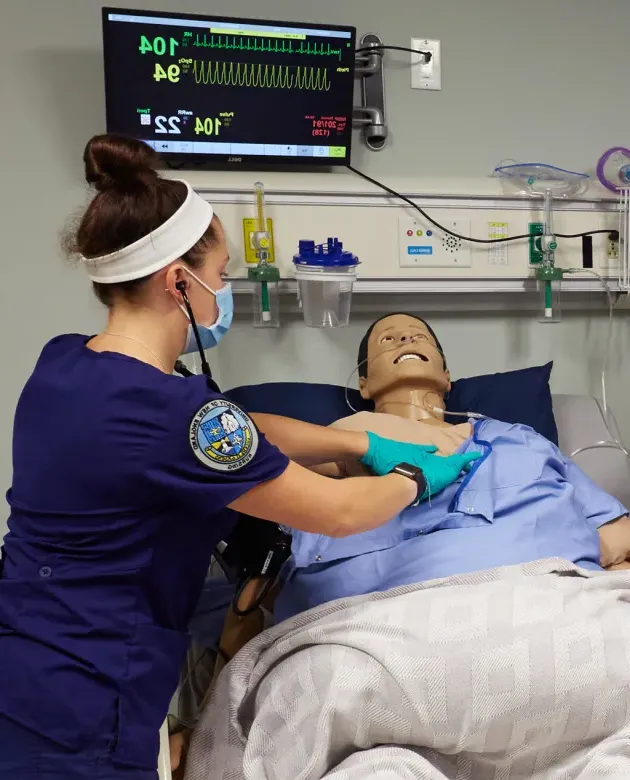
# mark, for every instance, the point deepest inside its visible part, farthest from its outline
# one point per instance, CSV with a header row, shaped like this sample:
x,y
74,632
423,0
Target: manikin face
x,y
403,354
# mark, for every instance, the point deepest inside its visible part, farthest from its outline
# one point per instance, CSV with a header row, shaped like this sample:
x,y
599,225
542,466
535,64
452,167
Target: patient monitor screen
x,y
230,90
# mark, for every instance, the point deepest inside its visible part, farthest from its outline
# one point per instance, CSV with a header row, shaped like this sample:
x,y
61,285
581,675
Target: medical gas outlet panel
x,y
423,247
397,245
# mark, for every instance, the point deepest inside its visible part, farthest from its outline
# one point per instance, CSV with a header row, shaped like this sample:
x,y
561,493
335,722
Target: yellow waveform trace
x,y
241,74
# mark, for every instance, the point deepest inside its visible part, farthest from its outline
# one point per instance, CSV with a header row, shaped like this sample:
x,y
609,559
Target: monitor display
x,y
230,90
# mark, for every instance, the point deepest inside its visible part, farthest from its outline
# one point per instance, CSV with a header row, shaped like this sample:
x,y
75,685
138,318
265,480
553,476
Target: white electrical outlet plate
x,y
611,260
610,264
426,75
422,247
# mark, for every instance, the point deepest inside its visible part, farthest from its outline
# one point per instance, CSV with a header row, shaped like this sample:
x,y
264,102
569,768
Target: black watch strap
x,y
415,473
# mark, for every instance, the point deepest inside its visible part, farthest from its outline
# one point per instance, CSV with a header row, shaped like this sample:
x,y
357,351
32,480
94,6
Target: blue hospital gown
x,y
522,502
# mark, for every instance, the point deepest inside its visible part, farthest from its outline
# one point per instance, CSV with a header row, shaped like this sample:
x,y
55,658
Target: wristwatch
x,y
415,473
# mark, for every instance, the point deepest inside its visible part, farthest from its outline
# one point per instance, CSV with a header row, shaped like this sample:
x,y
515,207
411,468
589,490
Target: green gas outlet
x,y
536,229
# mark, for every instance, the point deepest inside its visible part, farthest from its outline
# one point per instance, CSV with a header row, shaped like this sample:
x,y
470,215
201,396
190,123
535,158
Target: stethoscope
x,y
487,449
254,581
205,366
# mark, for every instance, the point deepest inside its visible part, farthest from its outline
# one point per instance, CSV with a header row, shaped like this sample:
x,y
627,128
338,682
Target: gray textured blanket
x,y
514,673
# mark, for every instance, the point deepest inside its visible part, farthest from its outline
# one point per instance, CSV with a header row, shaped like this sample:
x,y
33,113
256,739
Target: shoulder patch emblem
x,y
222,436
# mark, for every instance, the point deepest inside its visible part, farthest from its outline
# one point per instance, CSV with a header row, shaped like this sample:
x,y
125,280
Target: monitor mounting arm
x,y
370,115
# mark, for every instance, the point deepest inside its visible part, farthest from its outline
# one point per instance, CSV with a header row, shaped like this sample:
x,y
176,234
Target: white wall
x,y
534,80
474,345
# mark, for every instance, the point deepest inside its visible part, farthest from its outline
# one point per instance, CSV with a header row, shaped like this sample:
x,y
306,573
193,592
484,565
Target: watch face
x,y
414,473
408,470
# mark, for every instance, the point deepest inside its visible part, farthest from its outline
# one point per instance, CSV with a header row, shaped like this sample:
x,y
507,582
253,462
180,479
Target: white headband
x,y
156,250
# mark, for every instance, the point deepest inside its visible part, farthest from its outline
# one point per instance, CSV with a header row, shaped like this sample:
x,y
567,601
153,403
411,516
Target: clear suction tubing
x,y
325,274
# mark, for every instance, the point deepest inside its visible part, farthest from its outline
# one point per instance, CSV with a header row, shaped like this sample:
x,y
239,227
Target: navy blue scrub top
x,y
122,476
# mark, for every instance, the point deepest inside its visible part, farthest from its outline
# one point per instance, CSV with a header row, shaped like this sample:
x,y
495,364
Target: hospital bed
x,y
580,423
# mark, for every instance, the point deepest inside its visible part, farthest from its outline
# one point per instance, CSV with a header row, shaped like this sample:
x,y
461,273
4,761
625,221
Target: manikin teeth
x,y
409,356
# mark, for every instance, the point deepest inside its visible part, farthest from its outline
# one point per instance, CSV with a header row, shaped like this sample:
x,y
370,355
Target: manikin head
x,y
402,362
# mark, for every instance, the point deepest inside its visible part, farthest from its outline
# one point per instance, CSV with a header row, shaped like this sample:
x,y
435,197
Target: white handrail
x,y
624,240
164,758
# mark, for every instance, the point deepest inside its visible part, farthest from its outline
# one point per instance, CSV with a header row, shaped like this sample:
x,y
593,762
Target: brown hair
x,y
131,201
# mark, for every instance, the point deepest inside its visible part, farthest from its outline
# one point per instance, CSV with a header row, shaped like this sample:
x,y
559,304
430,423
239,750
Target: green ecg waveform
x,y
241,74
272,45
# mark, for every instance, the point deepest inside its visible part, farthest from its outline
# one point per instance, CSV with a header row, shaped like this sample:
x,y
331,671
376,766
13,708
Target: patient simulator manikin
x,y
521,501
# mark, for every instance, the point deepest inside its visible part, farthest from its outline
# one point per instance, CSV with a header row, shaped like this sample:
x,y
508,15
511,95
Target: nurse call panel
x,y
230,90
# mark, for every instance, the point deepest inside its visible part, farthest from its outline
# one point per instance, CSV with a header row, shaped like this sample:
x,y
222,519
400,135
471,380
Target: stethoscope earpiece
x,y
181,288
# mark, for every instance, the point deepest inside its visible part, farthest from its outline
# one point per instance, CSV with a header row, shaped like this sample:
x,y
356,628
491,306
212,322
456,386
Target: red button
x,y
410,233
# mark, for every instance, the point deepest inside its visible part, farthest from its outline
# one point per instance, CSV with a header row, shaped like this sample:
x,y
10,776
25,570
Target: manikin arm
x,y
311,445
614,540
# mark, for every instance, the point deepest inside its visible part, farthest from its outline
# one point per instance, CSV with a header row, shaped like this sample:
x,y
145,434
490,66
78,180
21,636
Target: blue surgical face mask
x,y
210,335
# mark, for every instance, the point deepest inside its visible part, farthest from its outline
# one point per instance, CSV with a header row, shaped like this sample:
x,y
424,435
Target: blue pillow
x,y
312,403
522,396
514,396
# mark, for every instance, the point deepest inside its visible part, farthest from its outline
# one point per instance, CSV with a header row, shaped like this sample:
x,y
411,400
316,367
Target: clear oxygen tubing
x,y
615,441
426,408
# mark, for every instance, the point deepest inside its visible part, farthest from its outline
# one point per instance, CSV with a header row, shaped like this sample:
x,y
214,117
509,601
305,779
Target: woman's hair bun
x,y
116,162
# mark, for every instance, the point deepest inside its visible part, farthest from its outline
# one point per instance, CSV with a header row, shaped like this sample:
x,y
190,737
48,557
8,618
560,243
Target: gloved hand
x,y
384,455
440,472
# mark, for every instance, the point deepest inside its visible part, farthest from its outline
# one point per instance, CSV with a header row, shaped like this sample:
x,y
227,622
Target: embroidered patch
x,y
222,436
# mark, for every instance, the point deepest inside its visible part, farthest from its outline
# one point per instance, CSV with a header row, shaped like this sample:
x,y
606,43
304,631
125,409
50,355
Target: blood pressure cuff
x,y
255,548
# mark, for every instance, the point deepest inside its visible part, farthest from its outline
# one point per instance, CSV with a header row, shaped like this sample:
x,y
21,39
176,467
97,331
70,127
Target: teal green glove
x,y
440,472
384,455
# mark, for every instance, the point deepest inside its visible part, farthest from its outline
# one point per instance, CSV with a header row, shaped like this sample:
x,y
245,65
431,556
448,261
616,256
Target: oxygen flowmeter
x,y
548,275
264,277
546,181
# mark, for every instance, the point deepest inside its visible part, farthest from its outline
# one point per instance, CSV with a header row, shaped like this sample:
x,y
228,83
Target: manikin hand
x,y
614,540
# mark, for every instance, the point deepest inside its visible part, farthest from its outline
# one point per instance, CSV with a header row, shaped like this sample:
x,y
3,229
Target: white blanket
x,y
510,674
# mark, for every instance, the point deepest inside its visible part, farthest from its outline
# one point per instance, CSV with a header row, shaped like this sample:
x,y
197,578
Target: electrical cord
x,y
381,47
444,229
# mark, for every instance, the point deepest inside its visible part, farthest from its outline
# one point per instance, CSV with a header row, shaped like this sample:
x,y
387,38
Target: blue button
x,y
45,572
429,233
